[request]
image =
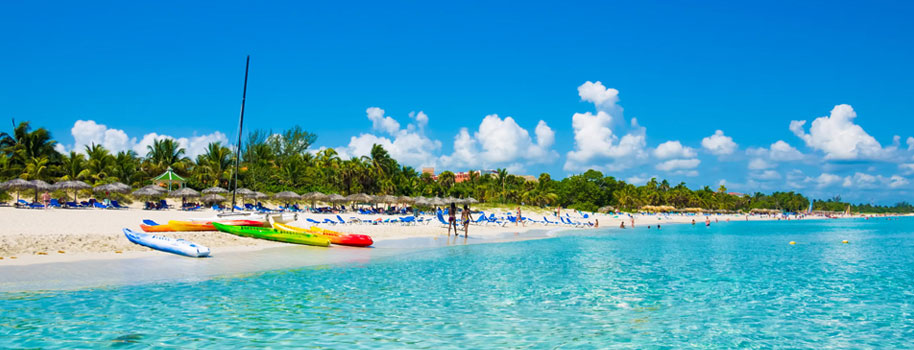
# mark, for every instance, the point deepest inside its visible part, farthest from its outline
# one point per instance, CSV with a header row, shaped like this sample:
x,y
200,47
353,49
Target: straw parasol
x,y
359,197
259,195
184,192
72,185
112,187
148,191
39,185
314,197
244,193
387,199
18,185
213,198
335,198
406,199
215,189
287,196
471,200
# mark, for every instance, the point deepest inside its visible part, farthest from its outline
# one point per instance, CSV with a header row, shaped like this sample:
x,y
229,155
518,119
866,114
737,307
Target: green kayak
x,y
273,234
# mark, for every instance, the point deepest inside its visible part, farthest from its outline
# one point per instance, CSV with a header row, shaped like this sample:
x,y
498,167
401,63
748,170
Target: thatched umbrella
x,y
18,185
215,189
116,187
359,197
336,198
39,185
406,199
72,185
149,191
314,197
213,198
386,199
259,195
244,193
471,200
183,194
287,196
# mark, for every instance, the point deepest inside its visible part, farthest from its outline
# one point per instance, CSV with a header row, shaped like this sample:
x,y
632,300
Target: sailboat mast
x,y
244,95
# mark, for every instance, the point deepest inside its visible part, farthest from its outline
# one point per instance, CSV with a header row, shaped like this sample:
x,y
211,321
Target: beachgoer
x,y
622,225
596,223
520,219
466,220
707,221
658,227
693,222
46,198
452,219
633,221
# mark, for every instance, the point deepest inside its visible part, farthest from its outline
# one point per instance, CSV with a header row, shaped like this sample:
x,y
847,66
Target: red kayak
x,y
350,239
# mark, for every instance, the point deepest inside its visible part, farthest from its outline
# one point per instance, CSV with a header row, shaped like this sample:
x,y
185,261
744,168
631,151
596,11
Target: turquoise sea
x,y
731,285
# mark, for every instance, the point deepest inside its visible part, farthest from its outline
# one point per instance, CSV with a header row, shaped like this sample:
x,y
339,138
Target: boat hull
x,y
167,244
347,239
274,235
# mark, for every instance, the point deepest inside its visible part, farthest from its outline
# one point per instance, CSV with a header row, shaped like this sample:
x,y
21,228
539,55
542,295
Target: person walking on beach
x,y
596,223
452,219
520,219
46,198
465,217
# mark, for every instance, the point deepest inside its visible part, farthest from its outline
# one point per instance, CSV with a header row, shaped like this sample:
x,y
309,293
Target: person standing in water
x,y
707,221
452,219
465,216
622,225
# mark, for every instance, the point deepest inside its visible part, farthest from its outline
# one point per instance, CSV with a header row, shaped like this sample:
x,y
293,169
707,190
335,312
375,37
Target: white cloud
x,y
60,148
421,119
719,144
597,93
380,122
897,181
766,175
193,146
87,132
501,142
759,163
595,142
906,168
678,164
673,149
910,143
838,136
826,180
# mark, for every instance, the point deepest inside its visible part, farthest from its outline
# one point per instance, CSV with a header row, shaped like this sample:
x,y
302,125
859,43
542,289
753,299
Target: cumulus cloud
x,y
380,122
595,142
766,175
719,144
673,149
862,180
826,180
838,137
896,181
501,142
87,132
193,146
906,168
910,143
409,146
678,164
759,163
597,93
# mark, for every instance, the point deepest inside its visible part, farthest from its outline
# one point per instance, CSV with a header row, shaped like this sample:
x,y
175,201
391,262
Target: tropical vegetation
x,y
273,162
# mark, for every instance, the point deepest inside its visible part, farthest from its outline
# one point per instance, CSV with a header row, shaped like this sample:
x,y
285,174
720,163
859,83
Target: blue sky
x,y
124,74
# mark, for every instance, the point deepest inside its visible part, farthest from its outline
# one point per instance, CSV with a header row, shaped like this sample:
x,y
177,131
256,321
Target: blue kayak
x,y
167,244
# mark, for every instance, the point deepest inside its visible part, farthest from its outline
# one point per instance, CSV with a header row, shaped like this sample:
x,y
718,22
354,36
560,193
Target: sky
x,y
767,96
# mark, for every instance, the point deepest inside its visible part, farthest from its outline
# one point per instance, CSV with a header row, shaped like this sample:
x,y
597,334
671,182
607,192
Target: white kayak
x,y
167,244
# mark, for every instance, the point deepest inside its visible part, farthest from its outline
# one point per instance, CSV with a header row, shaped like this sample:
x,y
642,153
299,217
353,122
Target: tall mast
x,y
244,95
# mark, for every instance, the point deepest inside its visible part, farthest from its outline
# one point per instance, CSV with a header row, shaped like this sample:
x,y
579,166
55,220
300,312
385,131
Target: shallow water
x,y
732,285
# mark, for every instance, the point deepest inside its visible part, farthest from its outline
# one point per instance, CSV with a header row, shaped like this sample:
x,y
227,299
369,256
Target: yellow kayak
x,y
349,239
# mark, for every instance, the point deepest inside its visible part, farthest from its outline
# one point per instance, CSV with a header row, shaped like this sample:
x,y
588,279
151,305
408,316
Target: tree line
x,y
284,161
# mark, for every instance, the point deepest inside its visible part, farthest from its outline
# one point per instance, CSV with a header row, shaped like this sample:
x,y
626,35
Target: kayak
x,y
355,240
167,244
178,225
152,226
273,234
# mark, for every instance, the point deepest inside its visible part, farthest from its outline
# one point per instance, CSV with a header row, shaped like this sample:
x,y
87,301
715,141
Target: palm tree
x,y
73,167
35,168
99,163
502,176
214,168
165,153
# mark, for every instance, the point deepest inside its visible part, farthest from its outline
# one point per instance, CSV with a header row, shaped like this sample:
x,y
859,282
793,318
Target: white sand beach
x,y
31,236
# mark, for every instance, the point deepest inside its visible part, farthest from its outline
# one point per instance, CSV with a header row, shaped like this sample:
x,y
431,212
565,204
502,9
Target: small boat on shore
x,y
272,234
348,239
167,244
179,225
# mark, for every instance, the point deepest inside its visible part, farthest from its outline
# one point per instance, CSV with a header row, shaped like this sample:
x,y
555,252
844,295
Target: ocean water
x,y
731,285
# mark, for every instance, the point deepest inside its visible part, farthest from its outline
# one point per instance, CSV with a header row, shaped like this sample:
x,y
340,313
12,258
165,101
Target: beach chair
x,y
150,222
313,221
332,222
238,208
54,203
340,219
99,205
116,205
